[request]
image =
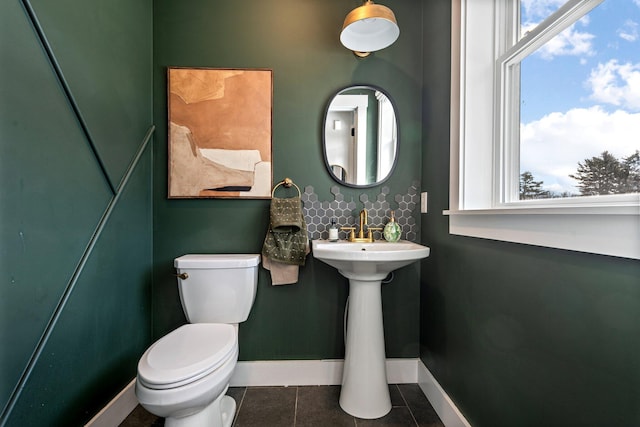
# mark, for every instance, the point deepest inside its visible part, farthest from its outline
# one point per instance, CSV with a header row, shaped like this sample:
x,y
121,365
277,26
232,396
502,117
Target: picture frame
x,y
220,132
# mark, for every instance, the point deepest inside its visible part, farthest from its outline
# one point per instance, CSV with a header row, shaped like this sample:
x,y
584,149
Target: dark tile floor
x,y
309,406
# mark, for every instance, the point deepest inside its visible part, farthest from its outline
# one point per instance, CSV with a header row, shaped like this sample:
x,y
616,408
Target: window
x,y
507,180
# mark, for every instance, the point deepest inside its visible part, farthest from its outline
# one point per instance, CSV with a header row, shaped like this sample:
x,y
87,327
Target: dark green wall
x,y
299,41
519,335
75,207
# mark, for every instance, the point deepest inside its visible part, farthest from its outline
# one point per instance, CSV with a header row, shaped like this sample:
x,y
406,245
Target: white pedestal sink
x,y
365,393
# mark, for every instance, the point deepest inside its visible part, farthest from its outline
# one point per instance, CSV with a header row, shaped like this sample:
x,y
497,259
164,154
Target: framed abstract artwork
x,y
220,127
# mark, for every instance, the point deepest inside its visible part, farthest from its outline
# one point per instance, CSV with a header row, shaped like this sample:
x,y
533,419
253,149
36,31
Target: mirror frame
x,y
324,139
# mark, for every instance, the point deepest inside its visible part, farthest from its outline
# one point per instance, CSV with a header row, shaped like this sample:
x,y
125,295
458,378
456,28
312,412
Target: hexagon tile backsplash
x,y
318,214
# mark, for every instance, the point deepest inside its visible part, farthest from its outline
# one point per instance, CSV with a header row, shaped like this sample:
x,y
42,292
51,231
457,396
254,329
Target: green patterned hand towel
x,y
286,239
286,215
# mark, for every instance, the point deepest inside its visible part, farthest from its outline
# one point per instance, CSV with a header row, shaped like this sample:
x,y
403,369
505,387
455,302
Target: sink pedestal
x,y
365,393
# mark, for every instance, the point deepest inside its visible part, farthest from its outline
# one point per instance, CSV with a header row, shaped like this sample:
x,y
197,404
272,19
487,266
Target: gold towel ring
x,y
287,182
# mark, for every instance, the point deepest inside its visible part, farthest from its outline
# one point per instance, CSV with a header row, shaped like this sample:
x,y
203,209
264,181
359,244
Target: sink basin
x,y
372,261
365,392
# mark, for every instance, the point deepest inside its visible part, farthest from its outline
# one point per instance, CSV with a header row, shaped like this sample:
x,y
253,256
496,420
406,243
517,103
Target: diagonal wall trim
x,y
65,88
136,158
73,281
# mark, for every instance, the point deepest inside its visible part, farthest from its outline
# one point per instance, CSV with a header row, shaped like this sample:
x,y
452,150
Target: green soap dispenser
x,y
392,230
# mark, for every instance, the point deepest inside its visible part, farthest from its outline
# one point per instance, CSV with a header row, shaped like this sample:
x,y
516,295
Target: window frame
x,y
481,198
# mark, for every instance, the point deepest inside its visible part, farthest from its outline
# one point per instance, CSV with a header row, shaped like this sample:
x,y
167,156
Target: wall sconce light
x,y
368,28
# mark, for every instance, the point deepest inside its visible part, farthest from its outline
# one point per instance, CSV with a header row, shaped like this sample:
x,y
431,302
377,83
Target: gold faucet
x,y
364,221
361,238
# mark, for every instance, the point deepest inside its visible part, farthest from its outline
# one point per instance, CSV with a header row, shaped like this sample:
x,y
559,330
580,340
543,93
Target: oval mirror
x,y
360,136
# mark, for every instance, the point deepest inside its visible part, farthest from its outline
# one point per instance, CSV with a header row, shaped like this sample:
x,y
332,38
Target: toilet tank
x,y
217,288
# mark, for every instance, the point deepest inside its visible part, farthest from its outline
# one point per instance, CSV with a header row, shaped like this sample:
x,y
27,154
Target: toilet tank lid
x,y
217,261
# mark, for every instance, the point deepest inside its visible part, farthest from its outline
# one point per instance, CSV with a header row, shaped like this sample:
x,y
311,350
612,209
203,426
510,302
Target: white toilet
x,y
184,376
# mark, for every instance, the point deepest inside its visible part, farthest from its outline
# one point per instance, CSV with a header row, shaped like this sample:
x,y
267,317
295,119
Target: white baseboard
x,y
304,372
439,399
117,410
312,372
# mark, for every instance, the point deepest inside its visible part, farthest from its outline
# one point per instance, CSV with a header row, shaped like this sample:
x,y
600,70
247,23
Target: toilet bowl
x,y
183,377
185,371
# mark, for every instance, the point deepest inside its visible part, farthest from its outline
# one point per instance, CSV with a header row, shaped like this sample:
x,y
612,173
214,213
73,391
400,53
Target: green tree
x,y
530,188
631,173
600,175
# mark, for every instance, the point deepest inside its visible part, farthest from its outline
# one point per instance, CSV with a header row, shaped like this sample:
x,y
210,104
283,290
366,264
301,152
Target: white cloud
x,y
570,42
551,147
629,30
616,84
540,9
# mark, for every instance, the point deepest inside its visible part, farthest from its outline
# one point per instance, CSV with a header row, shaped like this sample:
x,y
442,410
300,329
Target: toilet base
x,y
219,413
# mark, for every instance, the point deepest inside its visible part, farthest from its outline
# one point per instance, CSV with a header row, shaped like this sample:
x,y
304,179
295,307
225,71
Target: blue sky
x,y
581,91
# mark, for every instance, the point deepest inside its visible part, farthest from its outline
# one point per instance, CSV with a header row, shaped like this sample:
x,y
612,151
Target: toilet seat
x,y
187,354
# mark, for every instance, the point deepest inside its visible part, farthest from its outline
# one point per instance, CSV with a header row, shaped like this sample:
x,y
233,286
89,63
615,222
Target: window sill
x,y
552,210
605,230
